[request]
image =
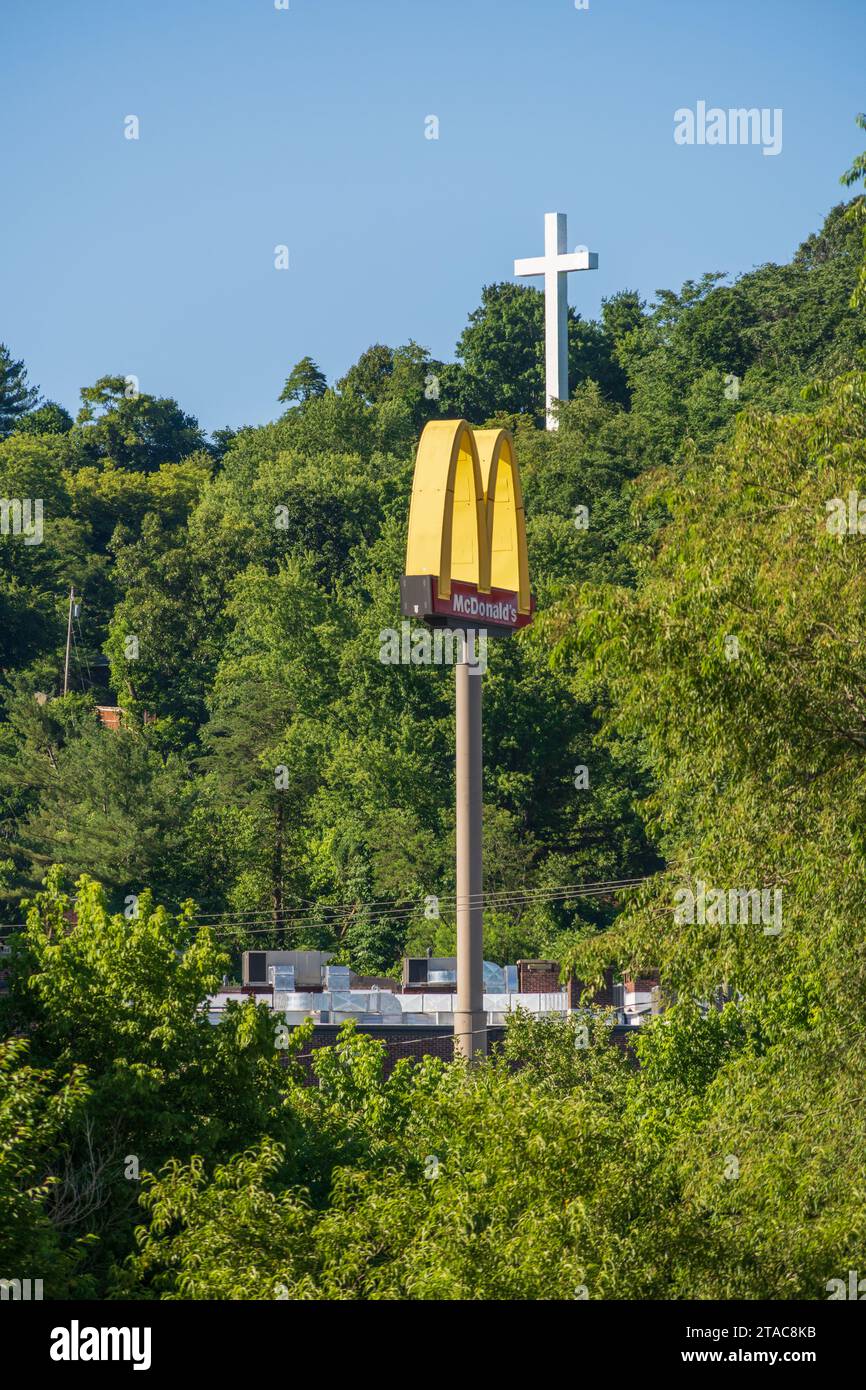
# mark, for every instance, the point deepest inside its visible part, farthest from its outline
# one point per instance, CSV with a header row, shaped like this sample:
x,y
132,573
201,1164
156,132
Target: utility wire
x,y
265,925
77,621
400,906
394,910
407,1042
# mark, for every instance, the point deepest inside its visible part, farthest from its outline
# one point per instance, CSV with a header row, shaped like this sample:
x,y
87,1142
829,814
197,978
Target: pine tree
x,y
16,397
304,380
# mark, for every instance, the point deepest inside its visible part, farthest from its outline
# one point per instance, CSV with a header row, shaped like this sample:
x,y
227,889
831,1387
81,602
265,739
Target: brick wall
x,y
642,984
538,977
111,716
400,1042
603,997
419,1042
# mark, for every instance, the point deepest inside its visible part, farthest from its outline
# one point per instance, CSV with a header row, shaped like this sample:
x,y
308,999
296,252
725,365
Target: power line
x,y
405,1042
258,924
77,622
401,914
399,906
266,925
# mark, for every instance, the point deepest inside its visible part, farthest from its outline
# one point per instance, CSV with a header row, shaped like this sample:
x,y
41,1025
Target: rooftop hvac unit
x,y
282,977
384,1002
441,977
345,1002
297,1002
635,1012
337,977
416,972
256,972
494,977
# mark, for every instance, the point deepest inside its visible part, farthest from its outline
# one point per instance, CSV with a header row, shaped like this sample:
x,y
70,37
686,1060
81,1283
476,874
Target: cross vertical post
x,y
554,265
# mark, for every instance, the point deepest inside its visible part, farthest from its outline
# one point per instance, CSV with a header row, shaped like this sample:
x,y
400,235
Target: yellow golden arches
x,y
506,521
466,518
447,518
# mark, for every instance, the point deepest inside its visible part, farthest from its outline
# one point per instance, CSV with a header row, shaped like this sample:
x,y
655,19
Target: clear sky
x,y
306,127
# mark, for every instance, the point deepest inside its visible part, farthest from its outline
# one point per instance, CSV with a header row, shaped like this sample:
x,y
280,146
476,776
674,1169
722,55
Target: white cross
x,y
554,265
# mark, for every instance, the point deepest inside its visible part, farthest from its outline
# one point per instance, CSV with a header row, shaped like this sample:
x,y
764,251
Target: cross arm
x,y
539,265
532,265
578,260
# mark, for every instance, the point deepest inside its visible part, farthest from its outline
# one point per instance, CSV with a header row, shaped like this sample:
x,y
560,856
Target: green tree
x,y
856,214
132,429
17,397
47,418
501,351
113,806
35,1105
304,381
123,996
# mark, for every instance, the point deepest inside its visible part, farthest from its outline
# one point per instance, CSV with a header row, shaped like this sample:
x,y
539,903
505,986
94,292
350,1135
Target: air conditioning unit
x,y
282,977
415,968
255,967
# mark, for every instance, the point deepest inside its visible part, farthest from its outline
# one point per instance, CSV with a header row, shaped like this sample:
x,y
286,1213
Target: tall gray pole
x,y
470,1030
68,640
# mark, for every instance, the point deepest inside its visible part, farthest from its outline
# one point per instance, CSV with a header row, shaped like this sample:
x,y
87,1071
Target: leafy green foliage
x,y
304,380
132,429
48,418
697,656
16,396
33,1111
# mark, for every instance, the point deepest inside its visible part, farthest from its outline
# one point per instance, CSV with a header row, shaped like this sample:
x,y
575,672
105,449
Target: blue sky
x,y
305,127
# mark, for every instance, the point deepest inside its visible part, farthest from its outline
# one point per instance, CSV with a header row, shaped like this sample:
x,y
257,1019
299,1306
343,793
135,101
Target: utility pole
x,y
68,640
470,1021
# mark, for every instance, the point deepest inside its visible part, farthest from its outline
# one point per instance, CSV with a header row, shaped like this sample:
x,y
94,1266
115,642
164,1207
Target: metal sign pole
x,y
467,561
470,1022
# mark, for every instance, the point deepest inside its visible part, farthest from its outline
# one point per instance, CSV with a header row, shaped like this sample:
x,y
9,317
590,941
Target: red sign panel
x,y
498,608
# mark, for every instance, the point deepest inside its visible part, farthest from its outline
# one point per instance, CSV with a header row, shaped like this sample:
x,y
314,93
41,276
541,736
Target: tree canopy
x,y
695,528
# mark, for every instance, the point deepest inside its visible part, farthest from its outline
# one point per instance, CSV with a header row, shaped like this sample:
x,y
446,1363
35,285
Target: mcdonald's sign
x,y
466,556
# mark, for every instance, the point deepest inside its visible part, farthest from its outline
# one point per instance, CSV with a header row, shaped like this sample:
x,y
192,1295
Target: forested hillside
x,y
255,572
699,648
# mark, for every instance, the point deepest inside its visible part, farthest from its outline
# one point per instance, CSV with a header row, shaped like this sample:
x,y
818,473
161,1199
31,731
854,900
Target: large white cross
x,y
554,265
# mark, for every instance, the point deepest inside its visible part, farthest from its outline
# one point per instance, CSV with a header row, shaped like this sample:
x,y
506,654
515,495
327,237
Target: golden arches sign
x,y
466,555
